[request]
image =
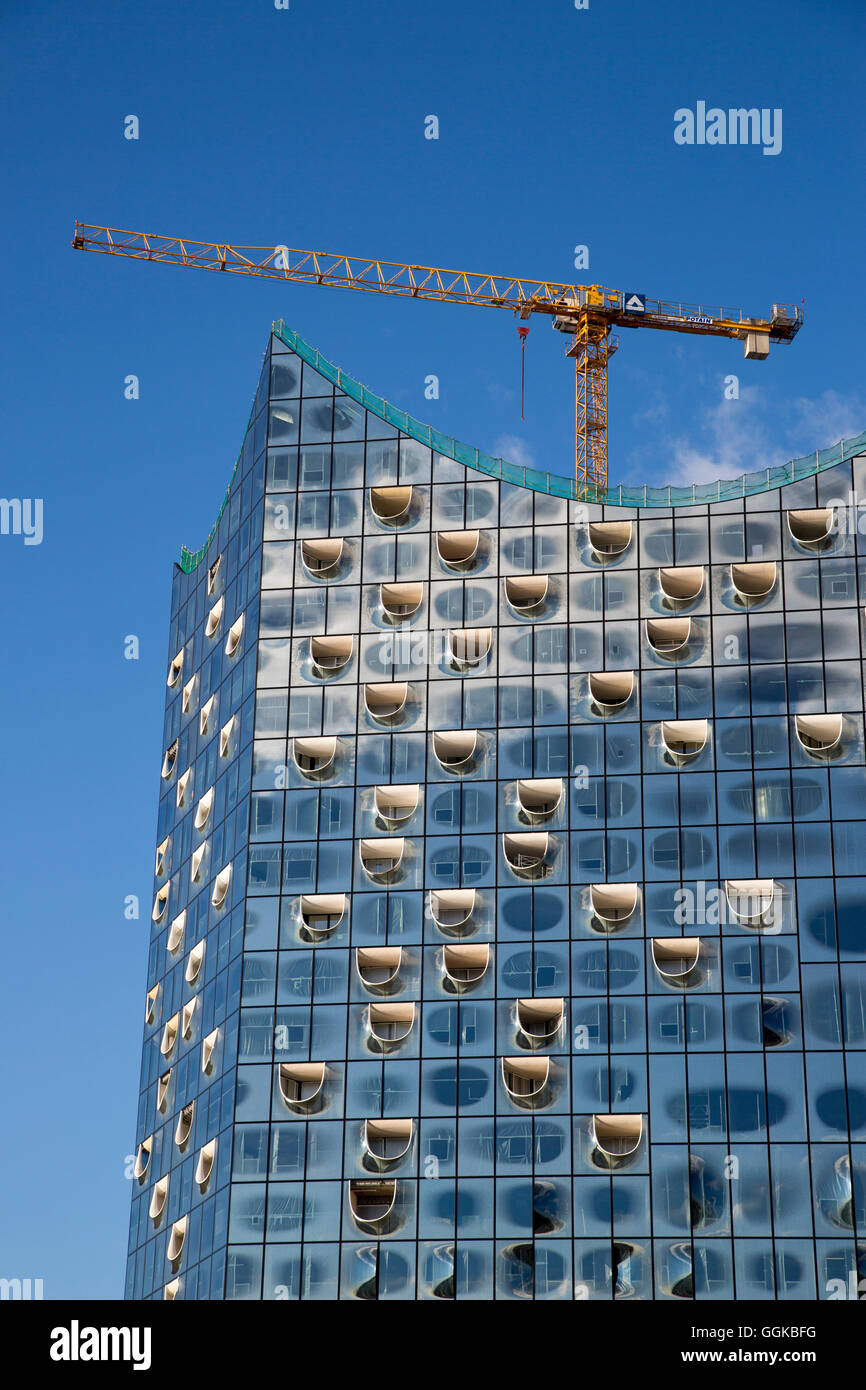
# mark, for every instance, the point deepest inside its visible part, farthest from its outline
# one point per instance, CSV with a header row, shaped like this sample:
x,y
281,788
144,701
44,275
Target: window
x,y
681,584
169,760
525,1078
194,963
221,886
205,716
213,618
174,670
226,738
458,549
391,505
203,809
235,634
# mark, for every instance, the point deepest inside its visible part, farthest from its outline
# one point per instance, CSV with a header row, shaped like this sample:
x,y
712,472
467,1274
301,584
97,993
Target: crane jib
x,y
586,312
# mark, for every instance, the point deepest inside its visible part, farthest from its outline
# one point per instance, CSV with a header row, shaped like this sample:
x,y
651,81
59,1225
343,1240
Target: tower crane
x,y
587,314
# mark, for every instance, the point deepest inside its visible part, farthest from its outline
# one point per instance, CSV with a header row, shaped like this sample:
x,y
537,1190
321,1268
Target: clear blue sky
x,y
306,127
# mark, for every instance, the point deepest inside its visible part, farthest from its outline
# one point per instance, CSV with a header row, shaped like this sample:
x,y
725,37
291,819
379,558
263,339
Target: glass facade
x,y
508,935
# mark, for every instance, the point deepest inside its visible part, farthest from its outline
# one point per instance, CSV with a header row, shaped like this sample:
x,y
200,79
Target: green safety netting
x,y
555,484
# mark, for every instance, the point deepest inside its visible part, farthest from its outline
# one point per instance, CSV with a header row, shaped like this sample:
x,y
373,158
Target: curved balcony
x,y
526,854
751,901
194,962
610,538
196,863
469,646
169,760
464,966
452,908
208,1050
540,797
187,1015
753,582
455,749
526,1079
540,1020
214,618
163,857
385,702
684,739
391,1024
819,734
142,1158
387,1141
205,1163
322,557
675,957
681,584
613,903
162,1085
526,593
617,1136
378,966
611,690
668,637
169,1035
381,859
458,550
391,505
400,601
397,804
221,886
203,809
331,654
301,1084
158,1199
226,737
175,933
314,757
183,1128
235,633
182,783
813,528
322,913
372,1203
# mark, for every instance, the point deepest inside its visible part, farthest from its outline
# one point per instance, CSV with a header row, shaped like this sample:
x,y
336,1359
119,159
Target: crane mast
x,y
586,313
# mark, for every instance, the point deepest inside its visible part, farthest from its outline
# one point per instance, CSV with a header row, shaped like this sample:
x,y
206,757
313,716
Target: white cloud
x,y
829,418
503,395
748,435
514,450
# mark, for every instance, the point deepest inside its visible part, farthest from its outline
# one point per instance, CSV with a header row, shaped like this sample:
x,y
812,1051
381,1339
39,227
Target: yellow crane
x,y
588,314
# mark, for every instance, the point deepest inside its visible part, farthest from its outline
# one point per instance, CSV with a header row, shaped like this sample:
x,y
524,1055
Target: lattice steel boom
x,y
587,313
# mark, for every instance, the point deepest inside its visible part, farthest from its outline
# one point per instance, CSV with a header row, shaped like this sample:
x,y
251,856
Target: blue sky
x,y
306,127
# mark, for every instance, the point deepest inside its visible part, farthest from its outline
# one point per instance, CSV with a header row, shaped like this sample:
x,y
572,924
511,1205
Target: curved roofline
x,y
554,484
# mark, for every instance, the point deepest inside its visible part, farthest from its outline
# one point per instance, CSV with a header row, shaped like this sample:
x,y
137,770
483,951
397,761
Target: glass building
x,y
508,933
